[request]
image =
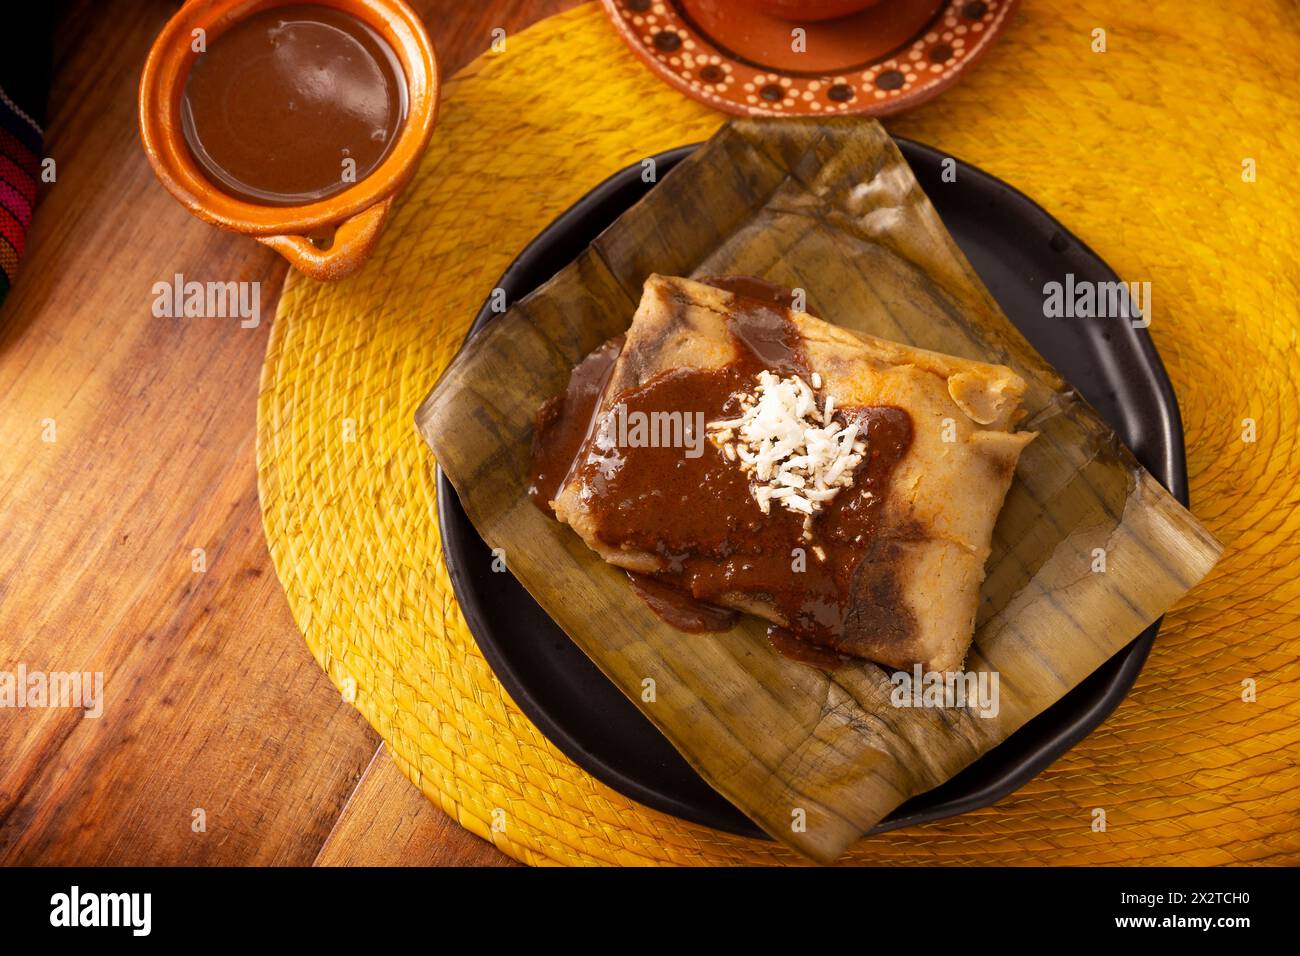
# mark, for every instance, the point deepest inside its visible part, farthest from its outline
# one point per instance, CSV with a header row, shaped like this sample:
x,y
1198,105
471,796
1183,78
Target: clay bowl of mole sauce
x,y
295,123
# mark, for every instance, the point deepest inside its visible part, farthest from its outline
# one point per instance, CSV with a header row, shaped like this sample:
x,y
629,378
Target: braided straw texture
x,y
1139,150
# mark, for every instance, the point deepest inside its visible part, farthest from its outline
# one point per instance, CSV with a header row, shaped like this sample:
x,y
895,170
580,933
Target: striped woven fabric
x,y
25,48
20,166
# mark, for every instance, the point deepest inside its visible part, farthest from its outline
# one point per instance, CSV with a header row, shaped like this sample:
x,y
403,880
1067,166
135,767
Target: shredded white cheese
x,y
794,450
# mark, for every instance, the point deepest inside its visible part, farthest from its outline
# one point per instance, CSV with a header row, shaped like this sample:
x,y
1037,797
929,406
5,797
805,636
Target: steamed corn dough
x,y
943,495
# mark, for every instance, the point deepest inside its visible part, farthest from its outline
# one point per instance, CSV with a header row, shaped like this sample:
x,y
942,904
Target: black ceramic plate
x,y
1016,247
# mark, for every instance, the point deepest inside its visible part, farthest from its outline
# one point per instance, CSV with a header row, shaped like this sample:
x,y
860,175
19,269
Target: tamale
x,y
889,568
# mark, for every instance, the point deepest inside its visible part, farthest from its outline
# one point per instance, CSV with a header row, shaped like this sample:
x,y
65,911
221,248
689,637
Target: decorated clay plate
x,y
760,58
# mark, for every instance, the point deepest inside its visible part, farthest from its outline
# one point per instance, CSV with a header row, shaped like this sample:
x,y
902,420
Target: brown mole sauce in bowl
x,y
278,103
697,514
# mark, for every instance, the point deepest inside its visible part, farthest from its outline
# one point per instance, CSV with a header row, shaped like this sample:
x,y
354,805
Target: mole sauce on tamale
x,y
564,422
697,514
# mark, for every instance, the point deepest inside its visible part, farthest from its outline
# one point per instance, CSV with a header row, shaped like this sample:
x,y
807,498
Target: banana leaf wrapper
x,y
816,758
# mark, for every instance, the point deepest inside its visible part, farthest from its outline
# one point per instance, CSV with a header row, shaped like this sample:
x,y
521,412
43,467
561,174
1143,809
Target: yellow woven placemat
x,y
1139,150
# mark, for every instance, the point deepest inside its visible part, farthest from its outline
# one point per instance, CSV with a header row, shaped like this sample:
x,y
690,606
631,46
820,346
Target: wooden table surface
x,y
221,741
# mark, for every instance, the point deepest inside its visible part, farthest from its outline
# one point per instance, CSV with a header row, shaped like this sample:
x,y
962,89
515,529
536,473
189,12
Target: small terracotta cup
x,y
357,214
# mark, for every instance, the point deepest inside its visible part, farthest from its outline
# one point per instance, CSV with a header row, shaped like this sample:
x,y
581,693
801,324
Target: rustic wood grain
x,y
212,702
388,822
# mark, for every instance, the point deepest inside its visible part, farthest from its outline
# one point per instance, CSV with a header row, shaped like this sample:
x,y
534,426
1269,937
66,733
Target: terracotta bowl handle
x,y
353,241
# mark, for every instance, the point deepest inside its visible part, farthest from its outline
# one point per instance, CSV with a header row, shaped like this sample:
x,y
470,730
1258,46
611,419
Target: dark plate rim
x,y
1125,665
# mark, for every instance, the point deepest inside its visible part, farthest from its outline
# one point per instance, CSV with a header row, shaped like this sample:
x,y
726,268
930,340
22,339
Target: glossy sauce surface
x,y
293,104
564,422
674,606
698,516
